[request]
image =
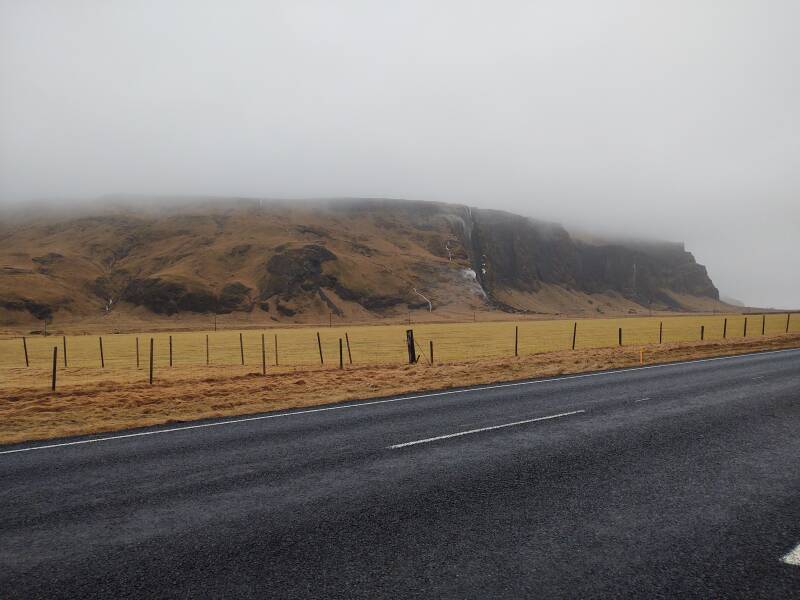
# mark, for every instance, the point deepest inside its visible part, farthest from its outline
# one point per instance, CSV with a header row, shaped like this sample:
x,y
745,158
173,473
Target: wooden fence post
x,y
516,340
151,361
276,349
620,336
341,355
28,364
102,358
763,324
319,345
660,331
702,332
788,315
263,356
745,328
64,343
347,340
170,351
431,343
55,360
208,356
725,328
241,347
574,333
412,351
137,352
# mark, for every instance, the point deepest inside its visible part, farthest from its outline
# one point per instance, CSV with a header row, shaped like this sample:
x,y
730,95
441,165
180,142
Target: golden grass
x,y
369,344
96,401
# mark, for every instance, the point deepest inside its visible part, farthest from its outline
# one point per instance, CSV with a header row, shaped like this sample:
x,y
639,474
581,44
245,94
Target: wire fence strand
x,y
381,344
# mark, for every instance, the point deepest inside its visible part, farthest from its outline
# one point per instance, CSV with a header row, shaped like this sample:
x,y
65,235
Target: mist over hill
x,y
300,261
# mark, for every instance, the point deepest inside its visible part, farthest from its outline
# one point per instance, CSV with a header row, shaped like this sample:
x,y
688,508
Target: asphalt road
x,y
673,481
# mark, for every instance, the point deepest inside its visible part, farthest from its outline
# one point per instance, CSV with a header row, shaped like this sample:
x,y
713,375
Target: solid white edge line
x,y
388,400
481,429
793,558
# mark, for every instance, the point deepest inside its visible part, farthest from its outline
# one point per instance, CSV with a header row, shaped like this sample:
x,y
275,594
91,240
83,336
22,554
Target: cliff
x,y
302,260
509,252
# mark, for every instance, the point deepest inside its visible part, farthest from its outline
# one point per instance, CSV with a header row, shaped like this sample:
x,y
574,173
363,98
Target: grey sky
x,y
679,119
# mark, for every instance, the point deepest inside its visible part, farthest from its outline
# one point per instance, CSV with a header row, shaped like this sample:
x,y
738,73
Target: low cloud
x,y
676,120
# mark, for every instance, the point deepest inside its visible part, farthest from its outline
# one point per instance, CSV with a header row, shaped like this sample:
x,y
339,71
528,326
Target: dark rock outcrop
x,y
285,310
508,251
295,271
39,310
292,271
169,297
642,272
235,296
112,285
330,303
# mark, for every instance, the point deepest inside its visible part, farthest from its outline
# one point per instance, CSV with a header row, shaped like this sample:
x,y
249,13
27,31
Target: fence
x,y
382,344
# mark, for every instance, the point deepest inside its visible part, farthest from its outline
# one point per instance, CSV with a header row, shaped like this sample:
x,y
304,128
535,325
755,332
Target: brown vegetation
x,y
150,262
194,392
375,344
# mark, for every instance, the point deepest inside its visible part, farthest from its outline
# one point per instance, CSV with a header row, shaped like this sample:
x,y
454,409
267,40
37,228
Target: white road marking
x,y
388,400
471,431
793,558
642,399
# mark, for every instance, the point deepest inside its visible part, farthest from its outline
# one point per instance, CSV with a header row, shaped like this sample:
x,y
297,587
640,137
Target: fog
x,y
678,120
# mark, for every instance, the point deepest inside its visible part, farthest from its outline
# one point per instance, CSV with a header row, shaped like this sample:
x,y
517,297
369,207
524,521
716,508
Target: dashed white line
x,y
471,431
386,401
793,558
642,399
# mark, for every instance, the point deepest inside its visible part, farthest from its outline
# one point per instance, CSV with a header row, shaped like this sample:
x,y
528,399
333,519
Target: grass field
x,y
369,345
94,402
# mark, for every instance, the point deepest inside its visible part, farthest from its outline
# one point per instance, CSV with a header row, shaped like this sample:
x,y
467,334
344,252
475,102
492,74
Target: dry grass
x,y
94,401
369,345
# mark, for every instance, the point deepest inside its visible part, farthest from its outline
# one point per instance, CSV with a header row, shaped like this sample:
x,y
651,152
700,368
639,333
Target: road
x,y
669,481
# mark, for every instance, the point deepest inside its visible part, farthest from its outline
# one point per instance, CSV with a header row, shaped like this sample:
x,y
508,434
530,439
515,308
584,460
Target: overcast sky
x,y
671,119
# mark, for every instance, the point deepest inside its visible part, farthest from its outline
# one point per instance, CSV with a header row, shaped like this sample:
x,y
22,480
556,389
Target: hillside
x,y
301,261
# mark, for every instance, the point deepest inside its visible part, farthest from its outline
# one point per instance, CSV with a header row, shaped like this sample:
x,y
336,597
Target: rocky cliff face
x,y
351,257
508,251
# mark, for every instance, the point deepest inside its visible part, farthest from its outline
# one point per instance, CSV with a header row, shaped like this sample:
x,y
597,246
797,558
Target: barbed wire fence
x,y
340,347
